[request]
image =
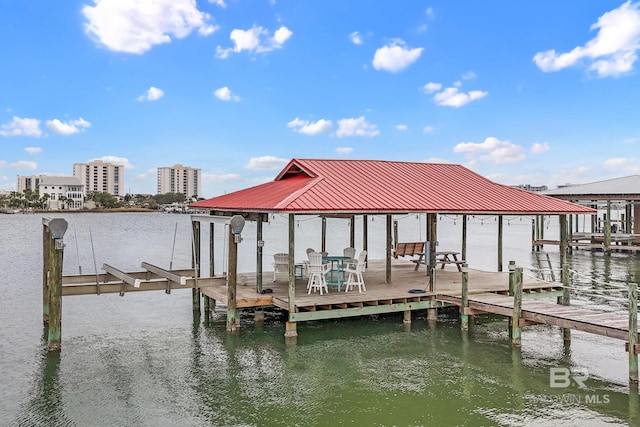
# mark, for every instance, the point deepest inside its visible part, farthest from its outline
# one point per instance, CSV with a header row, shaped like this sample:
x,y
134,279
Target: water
x,y
144,360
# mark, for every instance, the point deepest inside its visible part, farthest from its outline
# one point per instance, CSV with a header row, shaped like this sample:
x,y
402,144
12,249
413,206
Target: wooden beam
x,y
90,288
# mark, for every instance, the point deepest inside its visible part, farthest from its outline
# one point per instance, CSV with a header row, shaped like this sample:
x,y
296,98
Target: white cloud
x,y
230,177
344,150
395,56
310,128
355,38
452,97
538,148
23,164
401,127
627,165
431,87
431,14
436,160
428,129
136,26
492,150
356,127
21,127
152,94
67,128
630,140
611,52
266,162
122,161
220,3
569,176
469,75
225,94
254,40
33,150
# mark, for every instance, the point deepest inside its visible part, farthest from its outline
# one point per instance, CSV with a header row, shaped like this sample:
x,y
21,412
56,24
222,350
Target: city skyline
x,y
538,94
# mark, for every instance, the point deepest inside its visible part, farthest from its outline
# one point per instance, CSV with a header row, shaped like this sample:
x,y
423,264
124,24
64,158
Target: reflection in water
x,y
46,406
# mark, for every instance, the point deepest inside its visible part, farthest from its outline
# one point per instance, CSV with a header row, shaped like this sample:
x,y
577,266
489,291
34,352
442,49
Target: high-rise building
x,y
27,182
99,176
180,179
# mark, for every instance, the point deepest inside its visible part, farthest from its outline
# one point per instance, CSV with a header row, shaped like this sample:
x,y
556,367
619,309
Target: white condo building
x,y
180,179
64,192
27,182
99,176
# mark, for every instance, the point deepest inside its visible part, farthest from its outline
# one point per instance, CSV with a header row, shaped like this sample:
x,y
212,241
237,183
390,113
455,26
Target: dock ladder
x,y
544,266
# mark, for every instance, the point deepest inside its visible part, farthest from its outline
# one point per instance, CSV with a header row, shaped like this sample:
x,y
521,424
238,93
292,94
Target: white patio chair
x,y
351,253
280,264
306,261
317,273
355,274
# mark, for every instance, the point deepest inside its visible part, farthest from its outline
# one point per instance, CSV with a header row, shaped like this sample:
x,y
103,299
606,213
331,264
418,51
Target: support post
x,y
607,228
47,242
564,239
233,321
291,328
210,303
516,331
54,230
500,231
633,331
323,245
432,233
195,263
395,233
387,276
464,237
365,233
352,231
259,251
464,317
533,234
406,318
512,287
566,297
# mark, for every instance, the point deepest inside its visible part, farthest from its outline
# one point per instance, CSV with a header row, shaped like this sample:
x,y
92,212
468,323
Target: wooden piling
x,y
633,331
500,231
53,245
464,317
566,297
47,242
259,252
233,320
291,328
464,237
388,252
352,231
395,233
195,263
607,228
406,318
207,300
365,233
533,234
516,330
564,238
323,245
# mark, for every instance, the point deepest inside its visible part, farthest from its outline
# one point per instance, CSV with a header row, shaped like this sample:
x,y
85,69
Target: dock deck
x,y
379,296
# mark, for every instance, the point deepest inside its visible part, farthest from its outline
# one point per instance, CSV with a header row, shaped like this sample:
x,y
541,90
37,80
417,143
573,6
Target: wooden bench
x,y
408,249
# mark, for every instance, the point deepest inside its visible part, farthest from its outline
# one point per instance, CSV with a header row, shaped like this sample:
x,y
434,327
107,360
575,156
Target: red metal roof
x,y
375,186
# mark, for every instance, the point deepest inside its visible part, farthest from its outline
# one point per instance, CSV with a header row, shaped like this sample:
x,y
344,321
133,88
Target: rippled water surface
x,y
146,360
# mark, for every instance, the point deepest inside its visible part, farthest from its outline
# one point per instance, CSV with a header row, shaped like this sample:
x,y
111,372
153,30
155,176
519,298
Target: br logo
x,y
563,377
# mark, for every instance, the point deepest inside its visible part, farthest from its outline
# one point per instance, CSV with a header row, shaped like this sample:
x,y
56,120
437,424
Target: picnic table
x,y
442,258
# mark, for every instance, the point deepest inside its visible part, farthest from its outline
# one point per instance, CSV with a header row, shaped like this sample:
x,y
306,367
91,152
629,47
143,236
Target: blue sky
x,y
540,93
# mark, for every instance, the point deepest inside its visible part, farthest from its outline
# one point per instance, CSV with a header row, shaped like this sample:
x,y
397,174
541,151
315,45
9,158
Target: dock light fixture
x,y
237,224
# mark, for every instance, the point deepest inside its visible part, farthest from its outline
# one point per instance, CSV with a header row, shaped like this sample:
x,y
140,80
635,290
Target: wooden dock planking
x,y
614,325
378,291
